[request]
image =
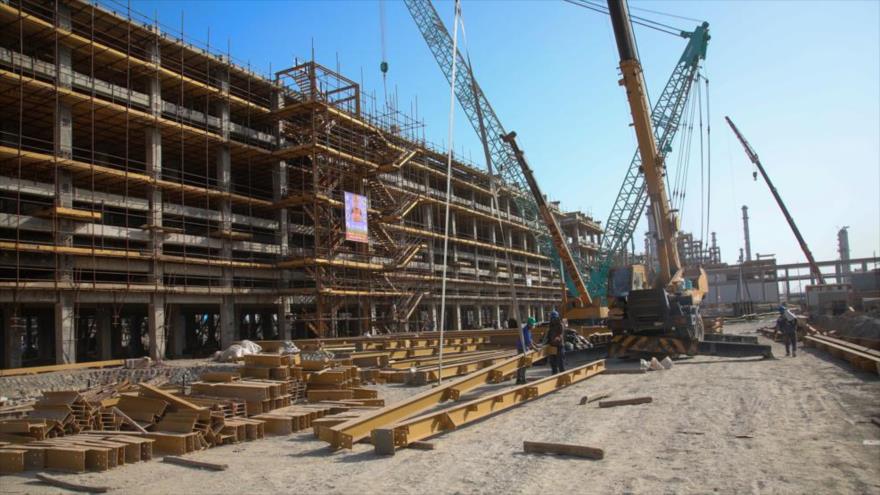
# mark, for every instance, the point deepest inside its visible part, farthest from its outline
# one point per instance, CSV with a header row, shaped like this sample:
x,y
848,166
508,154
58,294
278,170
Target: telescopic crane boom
x,y
652,161
797,233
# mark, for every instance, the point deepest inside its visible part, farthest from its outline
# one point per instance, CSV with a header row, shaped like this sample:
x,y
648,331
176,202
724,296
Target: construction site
x,y
217,280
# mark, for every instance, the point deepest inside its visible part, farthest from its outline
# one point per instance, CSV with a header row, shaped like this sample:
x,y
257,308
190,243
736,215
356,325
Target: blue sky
x,y
800,78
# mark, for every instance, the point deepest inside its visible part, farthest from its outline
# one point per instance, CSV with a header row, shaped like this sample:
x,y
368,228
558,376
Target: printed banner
x,y
356,218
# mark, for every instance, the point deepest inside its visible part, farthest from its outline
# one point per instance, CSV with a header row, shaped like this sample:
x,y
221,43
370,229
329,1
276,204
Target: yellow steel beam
x,y
429,374
61,367
385,440
413,352
425,362
346,434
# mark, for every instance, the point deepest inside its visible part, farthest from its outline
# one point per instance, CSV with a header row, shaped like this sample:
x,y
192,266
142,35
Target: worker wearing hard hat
x,y
523,345
556,338
787,324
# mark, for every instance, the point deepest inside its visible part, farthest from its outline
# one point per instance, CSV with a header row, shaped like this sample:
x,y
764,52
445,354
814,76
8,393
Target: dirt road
x,y
790,425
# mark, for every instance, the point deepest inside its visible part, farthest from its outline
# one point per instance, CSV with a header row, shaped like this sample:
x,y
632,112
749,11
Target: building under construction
x,y
158,199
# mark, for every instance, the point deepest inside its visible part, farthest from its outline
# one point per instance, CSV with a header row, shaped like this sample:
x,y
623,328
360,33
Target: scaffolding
x,y
158,198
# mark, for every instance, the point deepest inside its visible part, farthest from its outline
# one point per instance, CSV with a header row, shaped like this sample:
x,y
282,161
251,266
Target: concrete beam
x,y
228,322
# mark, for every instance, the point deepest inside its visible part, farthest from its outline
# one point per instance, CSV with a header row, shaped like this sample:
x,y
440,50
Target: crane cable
x,y
642,21
708,158
383,66
451,128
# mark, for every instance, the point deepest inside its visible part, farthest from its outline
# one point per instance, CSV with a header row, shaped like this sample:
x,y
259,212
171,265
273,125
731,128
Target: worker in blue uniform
x,y
523,345
556,338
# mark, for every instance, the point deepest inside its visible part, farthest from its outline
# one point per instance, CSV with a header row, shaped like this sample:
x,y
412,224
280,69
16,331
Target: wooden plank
x,y
67,485
421,445
626,402
180,461
594,397
563,449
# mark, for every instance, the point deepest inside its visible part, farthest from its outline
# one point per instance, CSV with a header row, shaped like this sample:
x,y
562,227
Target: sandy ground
x,y
791,425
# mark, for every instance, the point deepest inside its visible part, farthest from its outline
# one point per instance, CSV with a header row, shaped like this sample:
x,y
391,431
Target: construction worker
x,y
523,344
556,338
787,324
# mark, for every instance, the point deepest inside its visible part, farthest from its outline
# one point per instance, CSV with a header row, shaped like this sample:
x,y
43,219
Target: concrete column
x,y
456,316
228,322
498,321
154,87
285,330
104,322
154,215
13,328
453,232
479,316
177,320
427,215
368,327
435,322
279,192
63,65
63,141
224,176
156,326
65,330
222,80
153,162
540,313
334,321
224,170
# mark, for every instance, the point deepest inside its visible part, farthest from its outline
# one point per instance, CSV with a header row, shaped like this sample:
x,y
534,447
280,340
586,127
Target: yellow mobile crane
x,y
659,317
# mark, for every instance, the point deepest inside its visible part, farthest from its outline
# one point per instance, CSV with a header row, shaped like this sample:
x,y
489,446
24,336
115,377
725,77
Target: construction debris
x,y
180,461
70,486
594,397
109,426
563,449
626,402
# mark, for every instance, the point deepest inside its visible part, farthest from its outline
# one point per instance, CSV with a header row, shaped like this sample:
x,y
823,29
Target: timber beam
x,y
386,440
345,435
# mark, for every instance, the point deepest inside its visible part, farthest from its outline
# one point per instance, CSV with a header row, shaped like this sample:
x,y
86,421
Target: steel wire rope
x,y
451,128
642,21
